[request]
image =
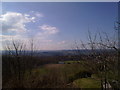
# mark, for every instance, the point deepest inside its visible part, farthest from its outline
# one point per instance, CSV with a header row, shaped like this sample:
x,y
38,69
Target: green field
x,y
62,75
87,83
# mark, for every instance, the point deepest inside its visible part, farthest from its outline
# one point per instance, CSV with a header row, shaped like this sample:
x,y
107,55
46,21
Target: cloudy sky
x,y
55,26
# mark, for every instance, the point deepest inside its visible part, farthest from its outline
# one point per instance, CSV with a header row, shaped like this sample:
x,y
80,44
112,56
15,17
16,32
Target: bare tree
x,y
15,49
103,58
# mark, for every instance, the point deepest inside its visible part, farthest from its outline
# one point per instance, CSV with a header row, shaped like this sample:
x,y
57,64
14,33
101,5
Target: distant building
x,y
60,62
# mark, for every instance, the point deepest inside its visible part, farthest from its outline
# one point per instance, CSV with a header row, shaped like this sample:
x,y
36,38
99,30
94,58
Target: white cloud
x,y
26,15
47,29
48,41
61,42
5,38
15,22
37,14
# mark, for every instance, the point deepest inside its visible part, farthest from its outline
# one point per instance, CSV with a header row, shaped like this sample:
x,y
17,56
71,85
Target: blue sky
x,y
57,25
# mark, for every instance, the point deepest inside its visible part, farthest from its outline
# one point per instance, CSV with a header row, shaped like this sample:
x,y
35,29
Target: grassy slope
x,y
67,71
87,83
62,73
74,62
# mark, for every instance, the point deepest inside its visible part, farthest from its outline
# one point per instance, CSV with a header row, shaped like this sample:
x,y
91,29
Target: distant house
x,y
60,62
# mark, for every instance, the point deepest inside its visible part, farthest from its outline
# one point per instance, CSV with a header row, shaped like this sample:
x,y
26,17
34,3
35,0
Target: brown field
x,y
48,66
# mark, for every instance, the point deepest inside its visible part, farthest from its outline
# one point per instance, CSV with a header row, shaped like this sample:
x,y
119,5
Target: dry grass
x,y
48,66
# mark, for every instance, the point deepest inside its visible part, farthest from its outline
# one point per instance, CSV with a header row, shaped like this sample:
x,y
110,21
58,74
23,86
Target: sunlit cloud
x,y
37,14
61,42
13,22
47,29
14,28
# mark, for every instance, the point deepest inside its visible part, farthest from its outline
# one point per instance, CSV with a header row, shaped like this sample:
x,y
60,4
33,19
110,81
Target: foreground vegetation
x,y
72,74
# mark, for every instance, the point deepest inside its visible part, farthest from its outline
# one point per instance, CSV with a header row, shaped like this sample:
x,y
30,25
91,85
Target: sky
x,y
56,25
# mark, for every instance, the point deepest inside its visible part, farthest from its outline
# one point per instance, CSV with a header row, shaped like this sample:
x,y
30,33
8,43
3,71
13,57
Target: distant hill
x,y
57,52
